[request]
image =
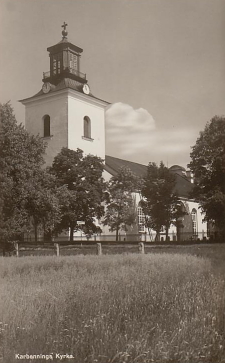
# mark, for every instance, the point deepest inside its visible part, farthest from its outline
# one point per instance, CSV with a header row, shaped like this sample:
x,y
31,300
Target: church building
x,y
66,114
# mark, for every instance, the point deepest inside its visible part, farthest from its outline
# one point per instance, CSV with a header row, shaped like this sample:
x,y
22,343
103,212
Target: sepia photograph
x,y
112,181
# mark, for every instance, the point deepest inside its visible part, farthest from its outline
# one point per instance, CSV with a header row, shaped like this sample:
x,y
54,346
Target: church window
x,y
194,221
87,127
46,119
141,219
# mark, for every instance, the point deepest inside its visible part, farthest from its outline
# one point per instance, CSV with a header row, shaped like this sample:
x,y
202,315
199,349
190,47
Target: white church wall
x,y
106,175
56,106
187,231
78,108
201,226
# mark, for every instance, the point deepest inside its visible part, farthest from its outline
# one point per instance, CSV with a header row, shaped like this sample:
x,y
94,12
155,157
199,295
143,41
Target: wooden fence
x,y
98,248
63,248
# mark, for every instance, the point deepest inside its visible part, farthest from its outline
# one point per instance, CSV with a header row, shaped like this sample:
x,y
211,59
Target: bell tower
x,y
65,112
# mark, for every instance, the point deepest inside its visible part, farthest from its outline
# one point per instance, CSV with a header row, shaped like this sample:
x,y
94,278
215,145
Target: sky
x,y
160,64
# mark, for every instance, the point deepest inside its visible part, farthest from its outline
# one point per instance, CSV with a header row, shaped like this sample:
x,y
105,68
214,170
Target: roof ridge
x,y
133,162
184,177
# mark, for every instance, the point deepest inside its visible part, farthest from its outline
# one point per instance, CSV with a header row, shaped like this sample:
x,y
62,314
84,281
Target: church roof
x,y
177,167
183,186
112,165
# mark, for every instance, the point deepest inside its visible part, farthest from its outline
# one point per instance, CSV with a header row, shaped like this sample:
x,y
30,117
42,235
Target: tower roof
x,y
64,44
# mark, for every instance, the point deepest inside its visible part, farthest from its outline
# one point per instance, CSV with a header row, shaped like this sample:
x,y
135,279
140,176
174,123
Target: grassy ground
x,y
165,306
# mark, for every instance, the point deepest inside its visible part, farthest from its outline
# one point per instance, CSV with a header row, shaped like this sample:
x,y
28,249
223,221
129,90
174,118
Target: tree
x,y
25,186
41,202
208,165
120,211
80,190
20,155
160,203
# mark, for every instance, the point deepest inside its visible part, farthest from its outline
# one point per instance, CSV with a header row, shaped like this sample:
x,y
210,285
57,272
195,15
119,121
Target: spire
x,y
64,32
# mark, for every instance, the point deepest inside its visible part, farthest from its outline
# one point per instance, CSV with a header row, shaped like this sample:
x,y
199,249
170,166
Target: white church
x,y
66,114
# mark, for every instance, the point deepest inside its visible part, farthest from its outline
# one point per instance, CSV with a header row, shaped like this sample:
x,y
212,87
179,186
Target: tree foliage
x,y
160,203
24,185
41,203
208,165
80,190
120,206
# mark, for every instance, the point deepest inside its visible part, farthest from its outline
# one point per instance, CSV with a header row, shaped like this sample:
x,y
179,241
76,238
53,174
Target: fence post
x,y
141,247
99,249
17,249
57,249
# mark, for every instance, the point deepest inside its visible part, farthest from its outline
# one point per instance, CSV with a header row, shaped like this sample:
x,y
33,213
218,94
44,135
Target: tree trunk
x,y
178,225
71,233
157,236
178,234
118,226
35,232
117,233
3,248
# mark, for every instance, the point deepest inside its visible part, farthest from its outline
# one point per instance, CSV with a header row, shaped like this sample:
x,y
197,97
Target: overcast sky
x,y
161,63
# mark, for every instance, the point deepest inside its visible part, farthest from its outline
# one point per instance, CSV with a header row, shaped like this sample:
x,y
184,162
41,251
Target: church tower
x,y
65,112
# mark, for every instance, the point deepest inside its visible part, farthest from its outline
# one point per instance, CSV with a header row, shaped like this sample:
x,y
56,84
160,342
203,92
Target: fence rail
x,y
57,248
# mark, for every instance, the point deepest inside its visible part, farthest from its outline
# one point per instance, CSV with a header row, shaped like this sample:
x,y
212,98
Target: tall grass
x,y
121,308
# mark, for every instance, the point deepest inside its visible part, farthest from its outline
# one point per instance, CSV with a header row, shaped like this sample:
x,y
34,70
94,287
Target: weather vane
x,y
64,32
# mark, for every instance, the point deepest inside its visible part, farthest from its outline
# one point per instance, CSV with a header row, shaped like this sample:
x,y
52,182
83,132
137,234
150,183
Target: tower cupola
x,y
64,61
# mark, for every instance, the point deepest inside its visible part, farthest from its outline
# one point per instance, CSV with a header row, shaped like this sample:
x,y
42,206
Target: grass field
x,y
165,306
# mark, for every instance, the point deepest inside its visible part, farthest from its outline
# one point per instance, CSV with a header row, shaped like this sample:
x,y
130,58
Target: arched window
x,y
194,221
46,120
87,127
141,219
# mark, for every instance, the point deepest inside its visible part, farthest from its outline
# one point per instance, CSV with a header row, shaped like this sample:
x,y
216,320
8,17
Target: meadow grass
x,y
158,307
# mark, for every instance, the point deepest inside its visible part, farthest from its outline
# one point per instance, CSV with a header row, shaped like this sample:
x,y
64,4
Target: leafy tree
x,y
41,203
20,154
160,203
120,211
81,190
23,182
208,165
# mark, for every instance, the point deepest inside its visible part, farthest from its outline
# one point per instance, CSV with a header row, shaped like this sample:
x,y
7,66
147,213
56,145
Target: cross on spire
x,y
64,32
64,25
